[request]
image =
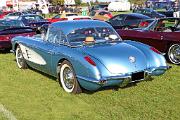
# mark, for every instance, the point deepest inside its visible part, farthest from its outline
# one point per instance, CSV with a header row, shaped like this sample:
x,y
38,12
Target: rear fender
x,y
153,59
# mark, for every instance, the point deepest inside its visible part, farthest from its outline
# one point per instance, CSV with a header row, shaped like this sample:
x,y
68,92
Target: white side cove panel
x,y
32,56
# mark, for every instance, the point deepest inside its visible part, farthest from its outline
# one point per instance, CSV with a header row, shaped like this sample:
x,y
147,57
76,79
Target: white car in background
x,y
119,6
79,17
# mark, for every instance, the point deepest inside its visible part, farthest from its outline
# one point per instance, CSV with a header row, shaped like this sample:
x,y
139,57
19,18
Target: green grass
x,y
30,95
125,12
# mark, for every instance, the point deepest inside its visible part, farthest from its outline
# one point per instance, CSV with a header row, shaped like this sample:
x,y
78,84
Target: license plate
x,y
137,76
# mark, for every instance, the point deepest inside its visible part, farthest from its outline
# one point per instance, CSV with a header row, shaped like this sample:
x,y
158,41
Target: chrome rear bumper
x,y
128,78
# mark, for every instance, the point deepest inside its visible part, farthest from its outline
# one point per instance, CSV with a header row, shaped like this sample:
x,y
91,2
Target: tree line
x,y
78,2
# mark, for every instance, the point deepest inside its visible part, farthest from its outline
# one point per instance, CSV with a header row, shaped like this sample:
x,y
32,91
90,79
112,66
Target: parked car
x,y
163,34
67,16
88,54
100,15
127,21
33,21
14,15
167,13
149,12
4,13
10,29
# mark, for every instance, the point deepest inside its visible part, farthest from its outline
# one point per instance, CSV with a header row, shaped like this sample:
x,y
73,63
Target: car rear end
x,y
7,34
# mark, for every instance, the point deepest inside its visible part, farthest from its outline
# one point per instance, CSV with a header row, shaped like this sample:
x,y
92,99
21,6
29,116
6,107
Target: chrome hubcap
x,y
68,78
174,53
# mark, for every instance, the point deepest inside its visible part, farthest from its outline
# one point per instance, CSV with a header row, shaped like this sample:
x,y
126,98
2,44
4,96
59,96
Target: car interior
x,y
167,26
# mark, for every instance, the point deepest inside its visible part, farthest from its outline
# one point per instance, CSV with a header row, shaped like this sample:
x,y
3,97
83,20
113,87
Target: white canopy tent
x,y
69,2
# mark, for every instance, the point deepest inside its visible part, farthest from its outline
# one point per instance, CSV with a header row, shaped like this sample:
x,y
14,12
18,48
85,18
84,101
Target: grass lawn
x,y
30,95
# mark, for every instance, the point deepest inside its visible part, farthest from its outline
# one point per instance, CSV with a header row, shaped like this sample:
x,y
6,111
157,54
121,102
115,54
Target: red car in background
x,y
10,29
161,33
4,13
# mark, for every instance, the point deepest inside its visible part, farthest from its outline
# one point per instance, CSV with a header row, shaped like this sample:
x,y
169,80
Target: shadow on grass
x,y
44,74
40,72
116,88
6,51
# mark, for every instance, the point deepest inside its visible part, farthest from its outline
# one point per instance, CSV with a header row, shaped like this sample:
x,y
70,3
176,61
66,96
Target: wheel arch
x,y
58,66
15,47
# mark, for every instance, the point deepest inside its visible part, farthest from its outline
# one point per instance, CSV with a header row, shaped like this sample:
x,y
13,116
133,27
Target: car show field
x,y
33,96
95,60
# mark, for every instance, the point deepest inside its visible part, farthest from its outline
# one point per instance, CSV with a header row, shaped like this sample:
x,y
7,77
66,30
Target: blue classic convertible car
x,y
88,54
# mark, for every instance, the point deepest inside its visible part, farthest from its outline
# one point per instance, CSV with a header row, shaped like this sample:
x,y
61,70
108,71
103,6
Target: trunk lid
x,y
118,57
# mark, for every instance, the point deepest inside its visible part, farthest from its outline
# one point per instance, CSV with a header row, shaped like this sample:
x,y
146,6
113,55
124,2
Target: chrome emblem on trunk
x,y
132,59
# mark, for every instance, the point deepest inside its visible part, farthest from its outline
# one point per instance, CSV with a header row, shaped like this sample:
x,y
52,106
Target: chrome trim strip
x,y
88,79
126,77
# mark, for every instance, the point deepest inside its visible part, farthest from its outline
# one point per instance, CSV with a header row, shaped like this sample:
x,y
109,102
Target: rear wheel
x,y
174,54
21,62
68,78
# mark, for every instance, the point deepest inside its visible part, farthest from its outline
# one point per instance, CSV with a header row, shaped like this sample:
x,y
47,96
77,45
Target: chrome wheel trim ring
x,y
174,54
19,57
67,78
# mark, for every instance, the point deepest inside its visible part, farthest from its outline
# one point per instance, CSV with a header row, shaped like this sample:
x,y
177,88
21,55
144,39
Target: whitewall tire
x,y
174,54
20,59
68,78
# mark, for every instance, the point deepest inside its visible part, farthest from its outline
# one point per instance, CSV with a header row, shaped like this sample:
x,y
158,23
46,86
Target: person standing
x,y
44,10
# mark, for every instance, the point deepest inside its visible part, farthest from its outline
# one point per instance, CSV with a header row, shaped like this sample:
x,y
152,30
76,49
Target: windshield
x,y
92,36
33,18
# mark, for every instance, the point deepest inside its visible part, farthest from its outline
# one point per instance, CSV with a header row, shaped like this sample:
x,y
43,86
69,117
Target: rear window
x,y
103,13
132,18
33,17
103,6
140,16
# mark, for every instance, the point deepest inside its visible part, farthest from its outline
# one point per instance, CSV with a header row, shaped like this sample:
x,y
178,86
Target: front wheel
x,y
21,62
68,78
174,54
